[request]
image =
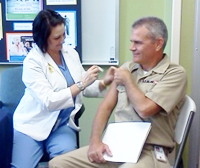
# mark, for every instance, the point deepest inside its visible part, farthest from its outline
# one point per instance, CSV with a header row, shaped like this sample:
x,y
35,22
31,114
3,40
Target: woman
x,y
54,79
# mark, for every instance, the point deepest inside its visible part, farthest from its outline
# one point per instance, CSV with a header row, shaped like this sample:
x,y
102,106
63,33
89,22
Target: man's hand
x,y
122,76
96,150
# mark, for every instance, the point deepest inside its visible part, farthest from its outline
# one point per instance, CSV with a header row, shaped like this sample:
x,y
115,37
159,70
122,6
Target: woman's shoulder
x,y
70,52
35,56
68,49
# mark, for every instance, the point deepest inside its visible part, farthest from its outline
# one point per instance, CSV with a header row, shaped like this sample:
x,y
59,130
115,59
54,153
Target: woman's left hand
x,y
109,75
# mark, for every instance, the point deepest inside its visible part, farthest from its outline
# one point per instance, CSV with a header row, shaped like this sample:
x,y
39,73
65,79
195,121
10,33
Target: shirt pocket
x,y
146,87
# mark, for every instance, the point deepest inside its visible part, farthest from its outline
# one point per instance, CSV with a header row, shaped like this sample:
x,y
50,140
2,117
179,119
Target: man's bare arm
x,y
97,148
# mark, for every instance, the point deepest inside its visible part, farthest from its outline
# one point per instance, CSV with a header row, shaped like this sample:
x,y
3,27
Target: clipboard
x,y
126,140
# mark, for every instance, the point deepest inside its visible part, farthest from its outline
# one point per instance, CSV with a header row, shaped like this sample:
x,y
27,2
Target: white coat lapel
x,y
72,66
52,64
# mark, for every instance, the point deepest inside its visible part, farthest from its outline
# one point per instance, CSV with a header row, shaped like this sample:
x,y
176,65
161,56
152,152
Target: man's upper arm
x,y
110,99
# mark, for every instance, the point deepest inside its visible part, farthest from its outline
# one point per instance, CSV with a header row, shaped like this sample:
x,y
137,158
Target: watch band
x,y
80,85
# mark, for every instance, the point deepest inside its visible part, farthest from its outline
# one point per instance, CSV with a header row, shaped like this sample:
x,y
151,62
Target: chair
x,y
6,130
182,128
11,87
11,91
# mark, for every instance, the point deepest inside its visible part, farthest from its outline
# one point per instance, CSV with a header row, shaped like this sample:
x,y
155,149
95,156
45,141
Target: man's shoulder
x,y
177,72
170,65
177,67
129,65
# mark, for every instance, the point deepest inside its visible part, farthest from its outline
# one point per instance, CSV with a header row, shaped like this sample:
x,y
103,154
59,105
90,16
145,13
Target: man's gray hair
x,y
155,26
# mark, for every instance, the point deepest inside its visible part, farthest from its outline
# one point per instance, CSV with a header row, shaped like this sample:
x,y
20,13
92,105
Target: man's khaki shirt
x,y
165,84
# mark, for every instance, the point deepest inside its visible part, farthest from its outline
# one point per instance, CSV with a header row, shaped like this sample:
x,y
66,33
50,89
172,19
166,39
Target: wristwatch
x,y
80,85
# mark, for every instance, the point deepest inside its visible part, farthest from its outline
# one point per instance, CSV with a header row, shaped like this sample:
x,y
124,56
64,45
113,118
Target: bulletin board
x,y
16,17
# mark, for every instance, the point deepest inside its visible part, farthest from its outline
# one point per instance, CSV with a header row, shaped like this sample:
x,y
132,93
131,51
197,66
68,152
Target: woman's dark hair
x,y
42,26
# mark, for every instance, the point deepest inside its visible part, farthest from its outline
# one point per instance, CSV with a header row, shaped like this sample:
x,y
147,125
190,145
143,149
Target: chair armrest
x,y
76,118
79,113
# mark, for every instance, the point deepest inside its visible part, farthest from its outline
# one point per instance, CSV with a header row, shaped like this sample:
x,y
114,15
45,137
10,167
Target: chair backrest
x,y
11,87
183,125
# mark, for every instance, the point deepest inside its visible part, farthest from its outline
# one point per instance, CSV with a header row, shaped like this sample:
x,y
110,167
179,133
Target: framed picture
x,y
18,46
22,9
1,28
71,27
61,2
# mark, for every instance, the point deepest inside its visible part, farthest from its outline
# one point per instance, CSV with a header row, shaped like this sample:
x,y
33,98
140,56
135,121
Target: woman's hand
x,y
90,76
109,76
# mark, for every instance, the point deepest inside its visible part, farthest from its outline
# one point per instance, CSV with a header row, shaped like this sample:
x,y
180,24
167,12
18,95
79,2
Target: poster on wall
x,y
17,22
22,9
70,28
18,46
1,28
61,2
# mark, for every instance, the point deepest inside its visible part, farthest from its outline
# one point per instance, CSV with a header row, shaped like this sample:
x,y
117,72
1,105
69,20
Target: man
x,y
149,88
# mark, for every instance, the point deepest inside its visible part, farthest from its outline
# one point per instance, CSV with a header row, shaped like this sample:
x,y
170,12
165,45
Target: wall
x,y
130,10
186,41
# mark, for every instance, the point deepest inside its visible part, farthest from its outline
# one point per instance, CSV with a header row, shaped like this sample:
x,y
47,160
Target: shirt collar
x,y
159,68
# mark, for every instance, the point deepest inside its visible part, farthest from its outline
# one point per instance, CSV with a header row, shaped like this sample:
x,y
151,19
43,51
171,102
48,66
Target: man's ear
x,y
159,43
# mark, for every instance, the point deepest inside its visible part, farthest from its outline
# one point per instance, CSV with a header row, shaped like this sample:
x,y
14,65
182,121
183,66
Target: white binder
x,y
126,140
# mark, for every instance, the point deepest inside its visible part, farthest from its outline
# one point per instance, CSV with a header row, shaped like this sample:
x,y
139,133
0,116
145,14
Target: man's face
x,y
142,46
56,38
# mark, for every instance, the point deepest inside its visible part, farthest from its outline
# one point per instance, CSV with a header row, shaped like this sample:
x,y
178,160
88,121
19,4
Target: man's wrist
x,y
94,140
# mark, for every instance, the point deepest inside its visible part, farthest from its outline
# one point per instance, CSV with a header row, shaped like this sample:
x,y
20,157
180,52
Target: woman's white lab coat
x,y
46,93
